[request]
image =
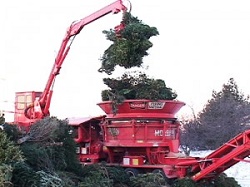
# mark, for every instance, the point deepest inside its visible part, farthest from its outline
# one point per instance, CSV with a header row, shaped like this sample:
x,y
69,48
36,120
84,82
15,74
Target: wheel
x,y
160,172
132,172
162,175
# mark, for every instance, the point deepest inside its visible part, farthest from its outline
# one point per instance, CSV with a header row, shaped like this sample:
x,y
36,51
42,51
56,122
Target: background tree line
x,y
224,116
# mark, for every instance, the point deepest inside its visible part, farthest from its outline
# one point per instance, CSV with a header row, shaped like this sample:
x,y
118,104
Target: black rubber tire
x,y
132,172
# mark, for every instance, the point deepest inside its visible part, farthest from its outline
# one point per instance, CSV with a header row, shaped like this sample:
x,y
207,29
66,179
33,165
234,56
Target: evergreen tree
x,y
9,155
9,152
223,117
129,47
127,50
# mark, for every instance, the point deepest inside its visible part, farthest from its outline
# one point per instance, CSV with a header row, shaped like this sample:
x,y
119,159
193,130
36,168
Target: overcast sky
x,y
202,44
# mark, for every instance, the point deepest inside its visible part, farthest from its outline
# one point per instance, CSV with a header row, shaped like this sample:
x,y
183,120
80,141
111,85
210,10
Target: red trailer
x,y
144,136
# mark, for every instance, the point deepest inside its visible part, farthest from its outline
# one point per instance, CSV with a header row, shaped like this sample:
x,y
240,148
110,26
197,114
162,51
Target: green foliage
x,y
220,181
138,87
118,176
37,157
104,176
47,130
69,179
224,181
48,156
148,179
130,47
5,175
9,152
68,149
96,175
49,180
51,150
11,131
24,175
185,182
127,50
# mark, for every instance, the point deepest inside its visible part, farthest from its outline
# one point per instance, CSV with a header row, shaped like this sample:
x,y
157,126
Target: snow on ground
x,y
240,171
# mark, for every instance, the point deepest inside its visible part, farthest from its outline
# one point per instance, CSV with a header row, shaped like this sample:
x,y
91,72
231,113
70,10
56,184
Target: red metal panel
x,y
143,108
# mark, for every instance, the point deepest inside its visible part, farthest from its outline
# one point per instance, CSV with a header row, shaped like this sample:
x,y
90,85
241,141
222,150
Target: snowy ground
x,y
240,171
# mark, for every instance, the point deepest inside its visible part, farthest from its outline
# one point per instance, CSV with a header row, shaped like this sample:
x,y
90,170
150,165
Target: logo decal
x,y
137,105
156,105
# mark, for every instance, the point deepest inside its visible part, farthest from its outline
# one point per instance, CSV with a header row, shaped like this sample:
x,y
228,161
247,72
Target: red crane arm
x,y
74,29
